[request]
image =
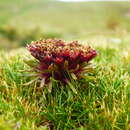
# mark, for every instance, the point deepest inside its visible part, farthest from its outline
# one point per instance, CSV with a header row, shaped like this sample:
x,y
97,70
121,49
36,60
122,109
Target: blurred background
x,y
99,23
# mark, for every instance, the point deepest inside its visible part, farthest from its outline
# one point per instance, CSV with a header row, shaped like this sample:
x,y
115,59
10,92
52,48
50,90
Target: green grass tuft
x,y
100,103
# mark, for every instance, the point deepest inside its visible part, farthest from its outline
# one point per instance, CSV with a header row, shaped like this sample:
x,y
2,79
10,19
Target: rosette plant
x,y
60,60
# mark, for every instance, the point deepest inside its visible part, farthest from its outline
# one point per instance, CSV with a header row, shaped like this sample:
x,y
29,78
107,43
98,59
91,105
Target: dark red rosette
x,y
57,57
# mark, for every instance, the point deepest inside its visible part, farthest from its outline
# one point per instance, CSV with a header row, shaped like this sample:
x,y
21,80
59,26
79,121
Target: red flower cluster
x,y
57,58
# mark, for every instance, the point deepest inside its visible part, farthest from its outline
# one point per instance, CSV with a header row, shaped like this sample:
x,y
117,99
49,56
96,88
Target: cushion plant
x,y
60,60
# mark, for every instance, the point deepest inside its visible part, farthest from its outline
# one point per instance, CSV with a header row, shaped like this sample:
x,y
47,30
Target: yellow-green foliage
x,y
102,100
